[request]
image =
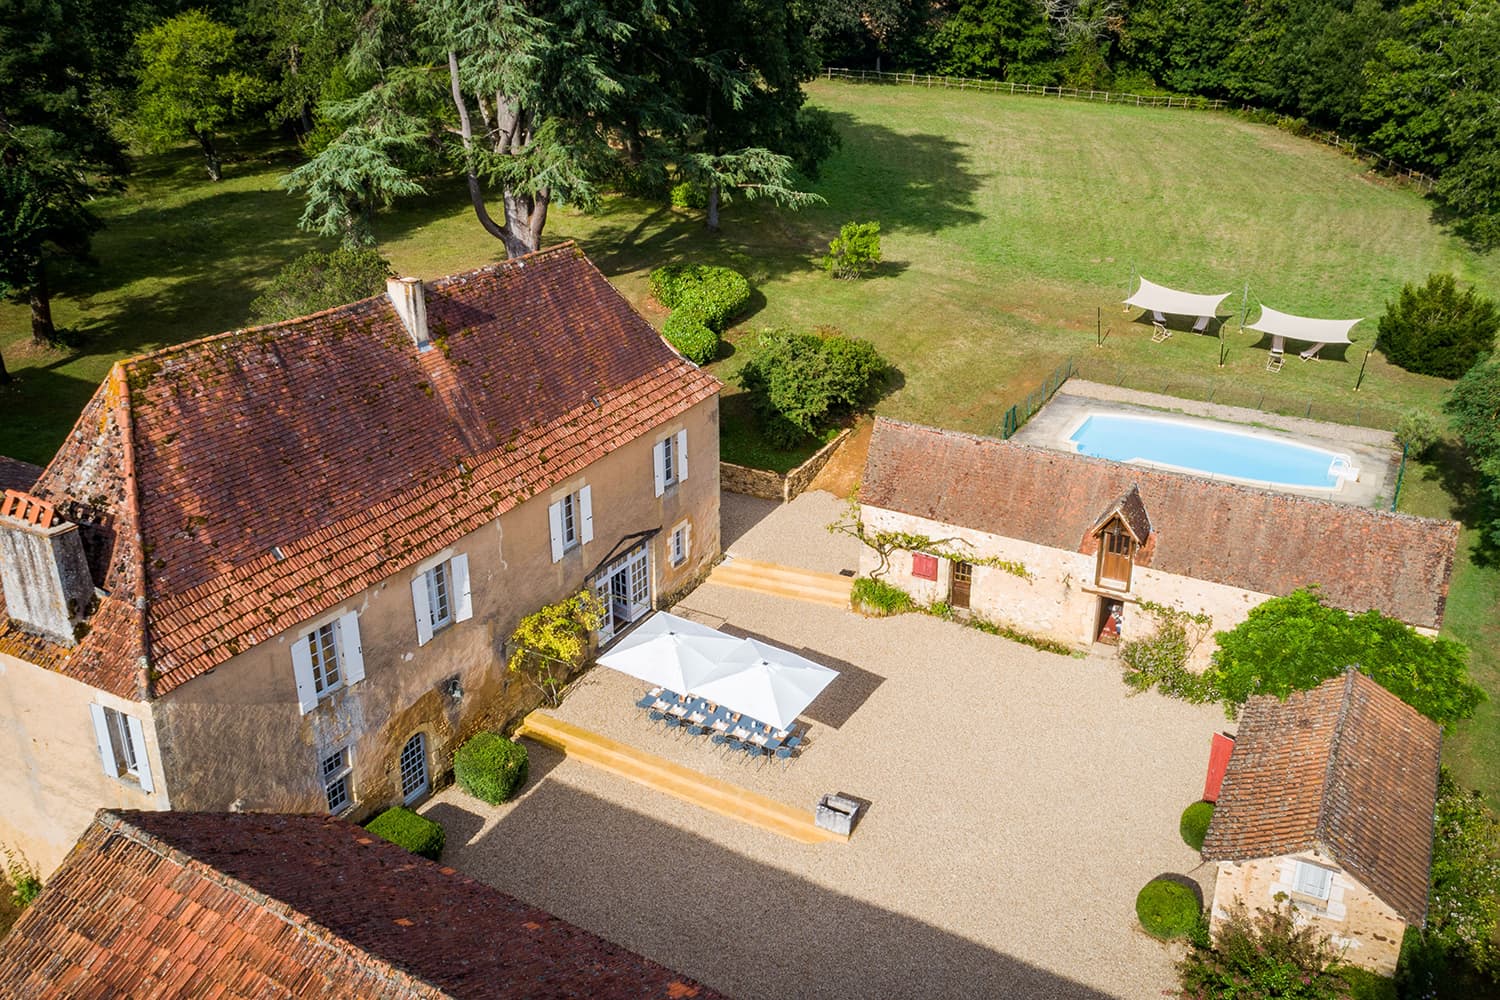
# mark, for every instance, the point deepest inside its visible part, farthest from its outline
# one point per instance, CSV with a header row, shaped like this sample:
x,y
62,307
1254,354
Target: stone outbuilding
x,y
1070,547
1327,804
277,569
157,905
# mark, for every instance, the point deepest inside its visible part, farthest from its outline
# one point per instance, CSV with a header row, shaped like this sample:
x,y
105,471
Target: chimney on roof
x,y
410,300
45,575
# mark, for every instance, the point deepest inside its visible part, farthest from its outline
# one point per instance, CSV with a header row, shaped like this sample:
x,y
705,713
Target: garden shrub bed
x,y
404,828
1194,824
490,767
1167,909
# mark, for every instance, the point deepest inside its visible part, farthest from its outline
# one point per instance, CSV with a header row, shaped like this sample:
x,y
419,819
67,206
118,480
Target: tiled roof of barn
x,y
162,904
1347,768
334,441
1256,540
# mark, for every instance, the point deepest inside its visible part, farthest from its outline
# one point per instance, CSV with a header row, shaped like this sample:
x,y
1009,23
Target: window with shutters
x,y
440,596
670,461
1312,880
336,770
122,745
570,520
678,547
323,644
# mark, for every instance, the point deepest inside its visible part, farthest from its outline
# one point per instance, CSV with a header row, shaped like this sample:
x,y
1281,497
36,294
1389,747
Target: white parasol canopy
x,y
1311,331
673,652
1161,299
768,683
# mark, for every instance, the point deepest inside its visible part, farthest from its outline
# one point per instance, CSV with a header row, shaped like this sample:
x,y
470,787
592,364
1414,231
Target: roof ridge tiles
x,y
1330,769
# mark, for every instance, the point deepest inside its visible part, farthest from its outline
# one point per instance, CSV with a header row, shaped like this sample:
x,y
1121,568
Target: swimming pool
x,y
1209,450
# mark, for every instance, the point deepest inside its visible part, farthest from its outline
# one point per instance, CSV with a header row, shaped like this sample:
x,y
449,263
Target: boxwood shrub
x,y
405,828
1167,909
717,293
694,340
1194,824
490,767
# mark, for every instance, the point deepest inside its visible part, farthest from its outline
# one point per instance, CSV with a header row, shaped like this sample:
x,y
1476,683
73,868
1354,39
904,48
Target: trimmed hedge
x,y
405,828
490,767
718,294
1167,909
693,338
1194,824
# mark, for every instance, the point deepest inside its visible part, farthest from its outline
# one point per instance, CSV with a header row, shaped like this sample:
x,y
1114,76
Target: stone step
x,y
674,779
783,581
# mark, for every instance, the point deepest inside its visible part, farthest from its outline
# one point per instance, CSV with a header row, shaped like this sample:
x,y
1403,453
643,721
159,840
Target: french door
x,y
624,588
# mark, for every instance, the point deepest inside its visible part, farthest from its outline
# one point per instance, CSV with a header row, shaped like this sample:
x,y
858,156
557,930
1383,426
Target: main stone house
x,y
1074,548
276,569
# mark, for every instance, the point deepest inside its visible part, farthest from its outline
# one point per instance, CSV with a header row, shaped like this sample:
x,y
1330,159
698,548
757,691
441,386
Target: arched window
x,y
414,782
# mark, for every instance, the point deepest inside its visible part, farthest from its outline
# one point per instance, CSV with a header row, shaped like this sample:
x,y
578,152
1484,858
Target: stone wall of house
x,y
1058,598
236,738
54,776
1364,929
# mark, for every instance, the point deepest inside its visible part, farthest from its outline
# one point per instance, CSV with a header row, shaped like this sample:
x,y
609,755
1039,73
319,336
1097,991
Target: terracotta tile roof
x,y
332,440
16,474
1270,543
1347,768
157,905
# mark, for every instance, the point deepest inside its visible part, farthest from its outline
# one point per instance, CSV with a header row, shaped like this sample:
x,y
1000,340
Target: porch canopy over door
x,y
1161,299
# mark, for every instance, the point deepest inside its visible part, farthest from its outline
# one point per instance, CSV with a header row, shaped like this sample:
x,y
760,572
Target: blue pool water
x,y
1199,448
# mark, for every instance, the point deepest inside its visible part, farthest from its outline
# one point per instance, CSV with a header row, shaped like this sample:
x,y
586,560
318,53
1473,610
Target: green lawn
x,y
1012,227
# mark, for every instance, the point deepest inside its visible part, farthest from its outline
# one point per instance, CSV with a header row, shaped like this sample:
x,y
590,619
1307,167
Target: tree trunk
x,y
210,155
4,375
713,207
43,333
517,240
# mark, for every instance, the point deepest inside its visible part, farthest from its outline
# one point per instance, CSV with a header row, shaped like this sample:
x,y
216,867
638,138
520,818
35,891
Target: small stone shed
x,y
1328,802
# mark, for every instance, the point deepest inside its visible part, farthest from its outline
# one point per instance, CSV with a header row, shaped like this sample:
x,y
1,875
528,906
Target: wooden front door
x,y
1115,550
963,580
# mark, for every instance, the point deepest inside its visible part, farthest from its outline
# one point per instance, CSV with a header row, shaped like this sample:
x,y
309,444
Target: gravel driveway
x,y
1019,801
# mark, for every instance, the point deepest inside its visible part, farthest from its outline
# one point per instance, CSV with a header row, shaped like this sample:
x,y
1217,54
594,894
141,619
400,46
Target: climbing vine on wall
x,y
885,544
1160,659
551,643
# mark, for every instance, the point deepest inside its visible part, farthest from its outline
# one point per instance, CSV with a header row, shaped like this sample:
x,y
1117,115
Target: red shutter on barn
x,y
923,566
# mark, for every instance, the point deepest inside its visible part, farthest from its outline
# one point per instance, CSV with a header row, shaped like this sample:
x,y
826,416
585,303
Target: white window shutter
x,y
352,653
421,606
458,583
659,462
687,541
142,759
681,455
554,517
106,748
586,514
307,691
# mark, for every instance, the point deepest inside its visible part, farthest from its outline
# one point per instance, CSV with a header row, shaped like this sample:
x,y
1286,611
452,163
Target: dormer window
x,y
1116,555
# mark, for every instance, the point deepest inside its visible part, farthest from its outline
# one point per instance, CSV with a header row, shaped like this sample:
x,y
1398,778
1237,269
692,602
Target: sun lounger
x,y
1275,361
1311,354
1158,318
1201,325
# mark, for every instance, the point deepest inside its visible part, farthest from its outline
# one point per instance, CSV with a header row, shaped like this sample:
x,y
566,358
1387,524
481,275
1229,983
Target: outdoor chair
x,y
1311,354
1158,318
733,744
1201,325
752,751
1275,361
1161,333
657,716
694,729
674,723
784,753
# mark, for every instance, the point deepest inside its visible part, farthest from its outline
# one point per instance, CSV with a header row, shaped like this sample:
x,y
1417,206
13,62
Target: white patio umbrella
x,y
765,682
673,652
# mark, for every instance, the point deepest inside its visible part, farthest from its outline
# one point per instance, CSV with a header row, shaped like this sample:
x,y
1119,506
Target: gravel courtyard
x,y
1019,800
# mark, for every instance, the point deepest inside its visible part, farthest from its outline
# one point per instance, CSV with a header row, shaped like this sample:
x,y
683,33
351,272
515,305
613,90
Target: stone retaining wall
x,y
773,485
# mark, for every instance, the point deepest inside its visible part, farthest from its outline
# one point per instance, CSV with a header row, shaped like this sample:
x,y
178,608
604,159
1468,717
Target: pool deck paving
x,y
1373,452
1018,802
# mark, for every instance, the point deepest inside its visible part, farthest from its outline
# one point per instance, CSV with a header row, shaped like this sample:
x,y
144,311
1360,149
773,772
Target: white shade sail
x,y
1159,298
673,652
768,684
1311,331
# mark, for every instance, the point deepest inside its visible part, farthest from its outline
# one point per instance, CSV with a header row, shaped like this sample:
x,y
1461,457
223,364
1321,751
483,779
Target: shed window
x,y
924,566
1312,880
